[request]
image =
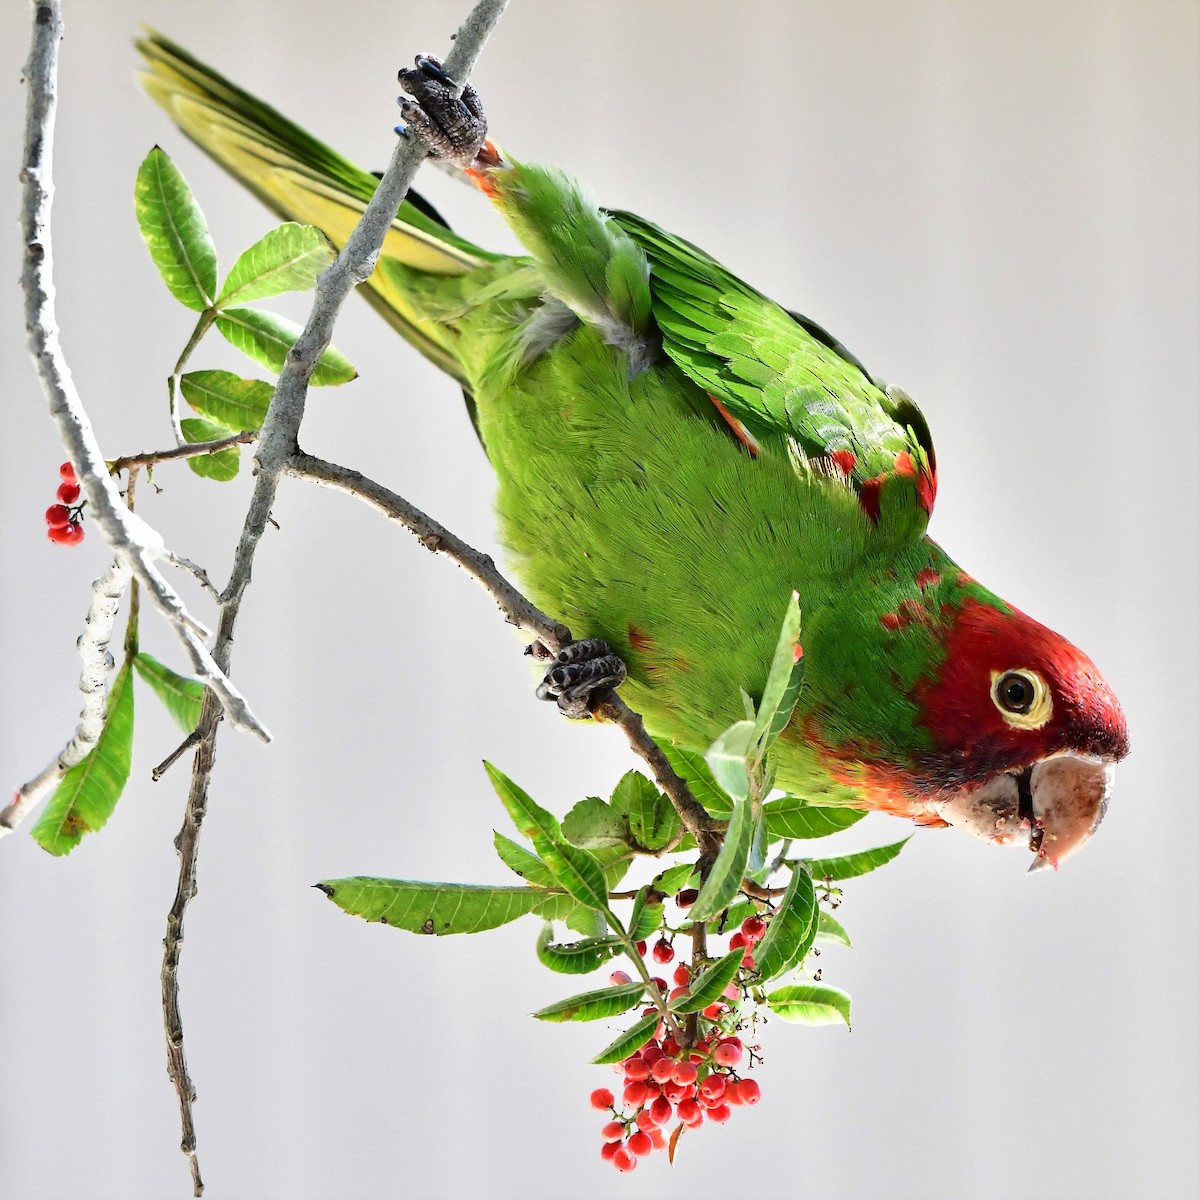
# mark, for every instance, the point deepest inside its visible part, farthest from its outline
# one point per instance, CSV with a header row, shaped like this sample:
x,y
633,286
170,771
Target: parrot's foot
x,y
454,126
578,673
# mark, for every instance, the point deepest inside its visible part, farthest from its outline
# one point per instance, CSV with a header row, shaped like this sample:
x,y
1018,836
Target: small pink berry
x,y
608,1150
636,1068
713,1088
68,493
682,975
720,1113
690,1112
661,1110
753,929
623,1160
748,1091
67,472
684,1073
635,1093
617,978
640,1144
602,1098
727,1055
58,516
614,1131
664,952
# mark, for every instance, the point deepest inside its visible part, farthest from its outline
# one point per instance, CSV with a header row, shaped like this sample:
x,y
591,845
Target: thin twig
x,y
186,564
193,450
519,611
278,442
133,541
175,755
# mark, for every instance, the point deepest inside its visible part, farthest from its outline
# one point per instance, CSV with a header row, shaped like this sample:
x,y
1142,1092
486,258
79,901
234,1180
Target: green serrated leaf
x,y
182,696
829,929
709,986
730,758
783,680
175,232
267,338
811,1004
89,791
653,821
792,817
594,1006
435,908
221,465
524,862
847,866
690,766
646,917
791,930
729,867
630,789
287,259
620,1048
575,958
592,824
226,399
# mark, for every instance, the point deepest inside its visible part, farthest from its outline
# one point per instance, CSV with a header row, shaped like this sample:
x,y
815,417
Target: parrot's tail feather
x,y
301,179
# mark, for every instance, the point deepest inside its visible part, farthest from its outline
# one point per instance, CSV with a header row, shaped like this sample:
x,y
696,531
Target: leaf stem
x,y
203,325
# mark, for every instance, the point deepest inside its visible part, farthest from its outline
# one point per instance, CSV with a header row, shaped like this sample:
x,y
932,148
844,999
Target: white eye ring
x,y
1022,698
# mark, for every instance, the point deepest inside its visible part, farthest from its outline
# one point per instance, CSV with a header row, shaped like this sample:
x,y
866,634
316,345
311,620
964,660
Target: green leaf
x,y
437,908
89,791
709,986
847,866
791,931
620,1048
221,465
530,818
646,917
182,696
287,259
175,232
729,868
587,921
792,817
267,338
226,399
811,1004
594,1006
730,758
592,823
676,878
690,766
575,958
783,680
630,789
524,862
653,821
729,919
829,929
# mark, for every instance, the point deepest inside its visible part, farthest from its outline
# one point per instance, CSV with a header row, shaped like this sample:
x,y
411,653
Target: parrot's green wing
x,y
785,386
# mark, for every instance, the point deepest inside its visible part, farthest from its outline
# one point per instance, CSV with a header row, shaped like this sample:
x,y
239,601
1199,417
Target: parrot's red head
x,y
1026,733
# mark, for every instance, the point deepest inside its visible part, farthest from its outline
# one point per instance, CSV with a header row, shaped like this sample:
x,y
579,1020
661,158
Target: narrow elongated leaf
x,y
524,862
653,821
792,817
710,984
223,464
690,766
829,929
593,823
530,818
621,1047
175,232
594,1006
791,930
729,868
574,958
646,917
267,338
847,866
182,696
226,399
288,259
783,680
730,758
811,1004
436,908
89,791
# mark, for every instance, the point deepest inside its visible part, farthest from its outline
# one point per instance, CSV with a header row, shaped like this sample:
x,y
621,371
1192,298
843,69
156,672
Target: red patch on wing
x,y
639,639
927,577
844,460
868,497
740,432
891,620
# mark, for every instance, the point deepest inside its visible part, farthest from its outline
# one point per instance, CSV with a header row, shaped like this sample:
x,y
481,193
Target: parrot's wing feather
x,y
787,386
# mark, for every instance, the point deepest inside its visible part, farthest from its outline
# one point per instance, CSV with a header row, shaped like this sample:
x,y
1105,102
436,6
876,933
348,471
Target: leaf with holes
x,y
575,958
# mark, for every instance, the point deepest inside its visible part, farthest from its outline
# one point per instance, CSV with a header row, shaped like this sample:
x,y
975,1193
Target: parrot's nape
x,y
676,454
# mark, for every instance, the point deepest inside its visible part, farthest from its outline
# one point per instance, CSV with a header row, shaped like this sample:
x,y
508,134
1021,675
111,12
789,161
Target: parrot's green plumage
x,y
676,454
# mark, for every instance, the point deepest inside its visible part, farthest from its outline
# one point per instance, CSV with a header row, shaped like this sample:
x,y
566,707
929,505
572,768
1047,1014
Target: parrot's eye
x,y
1022,698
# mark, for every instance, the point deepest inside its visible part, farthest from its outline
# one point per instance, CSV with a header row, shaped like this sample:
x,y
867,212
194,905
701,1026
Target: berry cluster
x,y
64,520
667,1081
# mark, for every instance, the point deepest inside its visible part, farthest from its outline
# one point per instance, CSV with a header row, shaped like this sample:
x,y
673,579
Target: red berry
x,y
636,1068
689,1112
651,1053
57,516
659,982
748,961
640,1144
731,992
617,978
664,952
661,1110
614,1131
720,1113
608,1150
713,1088
684,1072
713,1011
645,1121
738,939
641,947
635,1093
656,1137
675,993
623,1160
748,1091
68,493
682,975
753,929
67,472
68,535
727,1055
686,898
602,1098
662,1069
670,1047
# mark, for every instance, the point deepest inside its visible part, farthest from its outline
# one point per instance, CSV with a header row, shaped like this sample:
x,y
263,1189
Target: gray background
x,y
995,206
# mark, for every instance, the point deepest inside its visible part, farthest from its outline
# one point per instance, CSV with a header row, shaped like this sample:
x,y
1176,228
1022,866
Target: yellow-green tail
x,y
303,180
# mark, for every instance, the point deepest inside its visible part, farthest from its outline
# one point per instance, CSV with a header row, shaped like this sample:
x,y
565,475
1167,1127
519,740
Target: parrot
x,y
676,455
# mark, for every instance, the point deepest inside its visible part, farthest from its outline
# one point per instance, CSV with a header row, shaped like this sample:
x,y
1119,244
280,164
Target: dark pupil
x,y
1016,693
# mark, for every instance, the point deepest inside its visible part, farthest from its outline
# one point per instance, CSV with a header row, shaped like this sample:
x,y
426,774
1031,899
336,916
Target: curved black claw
x,y
454,126
578,673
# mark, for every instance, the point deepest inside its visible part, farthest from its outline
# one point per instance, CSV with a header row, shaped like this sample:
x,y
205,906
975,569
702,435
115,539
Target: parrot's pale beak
x,y
1054,806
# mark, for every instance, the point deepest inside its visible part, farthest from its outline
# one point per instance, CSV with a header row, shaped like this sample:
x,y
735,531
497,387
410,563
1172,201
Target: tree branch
x,y
189,450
